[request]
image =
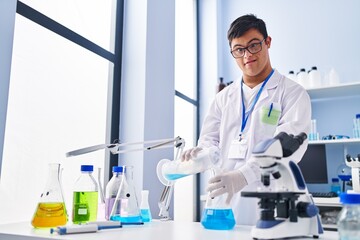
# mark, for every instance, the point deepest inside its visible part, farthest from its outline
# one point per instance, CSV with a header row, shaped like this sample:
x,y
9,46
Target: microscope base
x,y
285,229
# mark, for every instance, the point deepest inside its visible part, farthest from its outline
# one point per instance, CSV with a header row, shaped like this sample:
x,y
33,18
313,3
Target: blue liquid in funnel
x,y
175,176
218,219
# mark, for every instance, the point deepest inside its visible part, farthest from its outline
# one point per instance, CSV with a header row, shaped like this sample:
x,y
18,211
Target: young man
x,y
257,106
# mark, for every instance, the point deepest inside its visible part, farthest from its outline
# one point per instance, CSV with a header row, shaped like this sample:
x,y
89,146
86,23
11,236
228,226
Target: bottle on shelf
x,y
85,196
356,127
314,78
221,85
302,78
335,186
333,77
291,75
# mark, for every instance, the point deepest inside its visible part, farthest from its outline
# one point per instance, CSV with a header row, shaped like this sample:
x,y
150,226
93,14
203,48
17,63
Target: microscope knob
x,y
306,209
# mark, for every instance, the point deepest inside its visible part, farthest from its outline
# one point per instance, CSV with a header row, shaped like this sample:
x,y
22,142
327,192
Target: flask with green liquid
x,y
85,196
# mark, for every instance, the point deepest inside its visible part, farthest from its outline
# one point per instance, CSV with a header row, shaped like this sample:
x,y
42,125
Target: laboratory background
x,y
80,73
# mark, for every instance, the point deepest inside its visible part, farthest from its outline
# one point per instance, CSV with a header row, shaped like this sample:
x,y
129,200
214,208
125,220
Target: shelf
x,y
336,141
342,90
328,202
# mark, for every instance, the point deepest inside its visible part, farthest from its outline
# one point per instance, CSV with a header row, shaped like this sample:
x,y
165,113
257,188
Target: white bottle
x,y
302,78
144,206
333,77
314,78
291,75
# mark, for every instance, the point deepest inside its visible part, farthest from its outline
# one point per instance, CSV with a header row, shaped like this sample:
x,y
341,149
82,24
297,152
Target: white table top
x,y
159,230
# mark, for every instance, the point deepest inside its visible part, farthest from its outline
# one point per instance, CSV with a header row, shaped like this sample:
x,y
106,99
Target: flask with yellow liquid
x,y
51,210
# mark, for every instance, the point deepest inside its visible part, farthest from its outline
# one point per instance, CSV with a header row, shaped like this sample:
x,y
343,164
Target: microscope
x,y
287,196
354,163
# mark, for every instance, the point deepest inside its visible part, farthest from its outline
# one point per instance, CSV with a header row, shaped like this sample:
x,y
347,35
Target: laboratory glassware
x,y
111,189
349,217
51,210
126,208
217,214
335,186
314,135
169,171
144,206
85,196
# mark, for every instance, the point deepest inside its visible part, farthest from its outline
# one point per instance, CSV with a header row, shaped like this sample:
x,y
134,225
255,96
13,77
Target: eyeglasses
x,y
252,48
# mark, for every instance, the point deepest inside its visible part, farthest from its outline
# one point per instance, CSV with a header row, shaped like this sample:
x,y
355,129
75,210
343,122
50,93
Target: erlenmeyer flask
x,y
217,214
126,207
51,210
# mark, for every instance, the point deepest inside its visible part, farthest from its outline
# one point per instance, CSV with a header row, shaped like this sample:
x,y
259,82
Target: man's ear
x,y
268,41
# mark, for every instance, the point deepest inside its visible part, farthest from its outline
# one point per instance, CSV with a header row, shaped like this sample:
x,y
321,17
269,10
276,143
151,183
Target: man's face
x,y
252,64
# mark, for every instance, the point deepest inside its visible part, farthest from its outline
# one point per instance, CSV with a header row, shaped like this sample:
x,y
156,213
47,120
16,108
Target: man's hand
x,y
229,182
190,153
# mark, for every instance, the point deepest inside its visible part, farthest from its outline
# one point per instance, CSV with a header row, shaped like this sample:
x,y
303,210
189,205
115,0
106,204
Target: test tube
x,y
356,127
314,135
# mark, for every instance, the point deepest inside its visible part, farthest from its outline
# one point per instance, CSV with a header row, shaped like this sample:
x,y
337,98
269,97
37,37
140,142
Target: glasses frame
x,y
247,48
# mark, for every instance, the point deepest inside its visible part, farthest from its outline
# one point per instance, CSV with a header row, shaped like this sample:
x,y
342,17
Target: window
x,y
58,97
186,104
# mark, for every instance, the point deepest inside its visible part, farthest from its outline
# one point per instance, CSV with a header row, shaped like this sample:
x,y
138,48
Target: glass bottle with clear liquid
x,y
51,210
85,196
111,189
217,214
144,206
349,217
126,208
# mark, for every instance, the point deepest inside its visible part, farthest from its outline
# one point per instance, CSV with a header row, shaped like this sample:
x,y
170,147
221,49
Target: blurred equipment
x,y
115,148
296,213
354,163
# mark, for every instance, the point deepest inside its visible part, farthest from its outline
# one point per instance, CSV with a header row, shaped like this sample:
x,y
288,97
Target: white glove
x,y
229,182
190,153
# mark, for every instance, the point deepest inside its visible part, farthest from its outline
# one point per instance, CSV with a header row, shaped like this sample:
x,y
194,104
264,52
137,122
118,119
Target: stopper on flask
x,y
160,174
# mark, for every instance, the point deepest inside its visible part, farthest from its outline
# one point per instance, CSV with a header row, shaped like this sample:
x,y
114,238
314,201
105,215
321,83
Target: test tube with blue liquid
x,y
356,126
313,135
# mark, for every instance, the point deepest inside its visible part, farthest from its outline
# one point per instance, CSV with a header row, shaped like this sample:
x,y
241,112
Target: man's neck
x,y
253,81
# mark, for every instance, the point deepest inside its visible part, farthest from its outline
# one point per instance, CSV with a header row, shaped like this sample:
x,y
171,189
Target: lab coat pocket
x,y
269,118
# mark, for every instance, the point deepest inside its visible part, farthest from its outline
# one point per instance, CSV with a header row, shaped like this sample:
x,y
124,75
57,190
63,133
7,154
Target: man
x,y
255,107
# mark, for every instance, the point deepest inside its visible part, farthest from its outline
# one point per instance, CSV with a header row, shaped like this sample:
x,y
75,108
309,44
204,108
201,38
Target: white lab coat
x,y
223,122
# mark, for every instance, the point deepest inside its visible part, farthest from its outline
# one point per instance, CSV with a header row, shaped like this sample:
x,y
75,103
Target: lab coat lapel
x,y
271,84
235,99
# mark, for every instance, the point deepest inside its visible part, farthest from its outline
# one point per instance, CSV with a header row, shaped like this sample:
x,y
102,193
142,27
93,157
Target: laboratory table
x,y
159,230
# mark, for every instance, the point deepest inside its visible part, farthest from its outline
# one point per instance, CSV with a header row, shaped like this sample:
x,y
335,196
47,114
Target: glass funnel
x,y
126,207
51,210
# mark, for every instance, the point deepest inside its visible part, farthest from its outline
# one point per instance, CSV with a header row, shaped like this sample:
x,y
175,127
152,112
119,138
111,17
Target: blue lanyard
x,y
245,116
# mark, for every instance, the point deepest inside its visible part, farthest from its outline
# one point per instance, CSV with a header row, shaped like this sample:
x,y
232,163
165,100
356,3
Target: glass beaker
x,y
217,214
51,210
126,208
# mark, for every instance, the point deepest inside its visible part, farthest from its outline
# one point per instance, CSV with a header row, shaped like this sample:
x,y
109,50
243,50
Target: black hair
x,y
243,24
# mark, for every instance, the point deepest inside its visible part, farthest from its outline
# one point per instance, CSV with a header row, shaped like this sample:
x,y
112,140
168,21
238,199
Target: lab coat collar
x,y
272,83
